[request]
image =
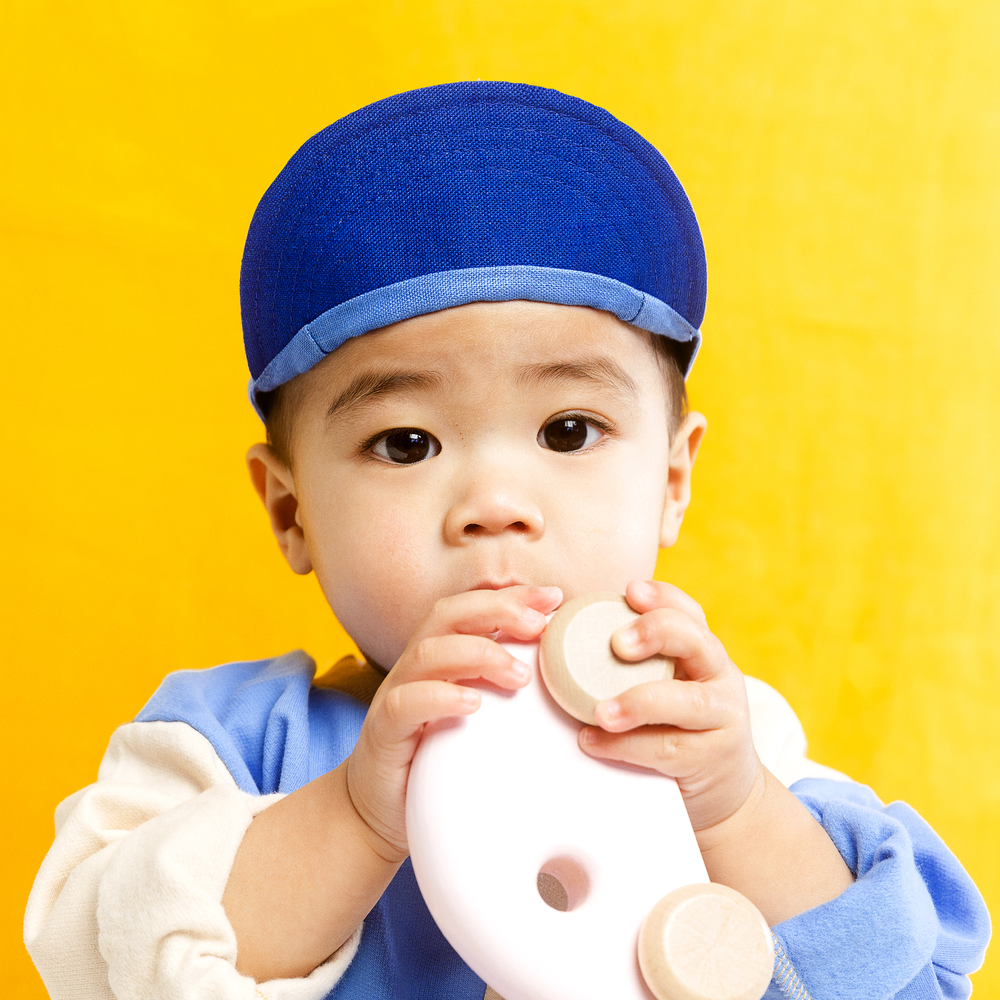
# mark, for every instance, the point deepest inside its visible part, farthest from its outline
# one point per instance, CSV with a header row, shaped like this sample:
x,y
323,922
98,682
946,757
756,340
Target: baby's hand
x,y
694,728
451,645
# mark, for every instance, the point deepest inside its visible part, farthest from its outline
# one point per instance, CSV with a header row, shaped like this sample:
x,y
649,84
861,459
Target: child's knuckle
x,y
650,626
670,620
394,703
702,698
444,607
665,747
426,655
511,602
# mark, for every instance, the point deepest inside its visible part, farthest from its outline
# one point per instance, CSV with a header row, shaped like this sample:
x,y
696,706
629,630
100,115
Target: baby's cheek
x,y
637,493
361,576
624,548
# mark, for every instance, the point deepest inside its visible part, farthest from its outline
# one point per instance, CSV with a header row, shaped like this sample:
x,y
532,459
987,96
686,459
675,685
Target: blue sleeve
x,y
912,926
271,729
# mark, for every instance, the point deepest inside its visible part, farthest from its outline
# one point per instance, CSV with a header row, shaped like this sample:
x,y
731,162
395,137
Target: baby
x,y
469,311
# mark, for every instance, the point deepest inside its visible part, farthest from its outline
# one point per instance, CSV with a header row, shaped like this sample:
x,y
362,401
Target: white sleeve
x,y
128,902
779,738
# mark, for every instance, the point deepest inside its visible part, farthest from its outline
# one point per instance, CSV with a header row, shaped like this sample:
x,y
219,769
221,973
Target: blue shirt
x,y
912,926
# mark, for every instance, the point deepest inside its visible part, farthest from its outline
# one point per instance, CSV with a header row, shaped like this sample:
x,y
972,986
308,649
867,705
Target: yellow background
x,y
842,157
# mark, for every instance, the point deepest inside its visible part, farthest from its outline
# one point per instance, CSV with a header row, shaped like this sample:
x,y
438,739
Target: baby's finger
x,y
673,633
517,611
660,748
645,595
406,707
684,704
715,775
457,658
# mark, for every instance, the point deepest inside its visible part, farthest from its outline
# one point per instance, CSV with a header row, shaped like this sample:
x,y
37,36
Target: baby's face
x,y
480,447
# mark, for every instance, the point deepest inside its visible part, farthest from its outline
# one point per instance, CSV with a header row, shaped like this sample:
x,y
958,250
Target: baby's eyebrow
x,y
602,372
370,385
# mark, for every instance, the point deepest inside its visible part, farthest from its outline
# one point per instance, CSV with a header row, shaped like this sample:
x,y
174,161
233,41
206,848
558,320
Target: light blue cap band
x,y
446,289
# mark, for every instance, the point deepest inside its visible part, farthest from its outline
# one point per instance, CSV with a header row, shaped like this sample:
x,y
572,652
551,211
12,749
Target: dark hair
x,y
673,358
277,410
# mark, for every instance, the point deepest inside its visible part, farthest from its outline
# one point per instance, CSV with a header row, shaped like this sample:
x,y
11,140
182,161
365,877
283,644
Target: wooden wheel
x,y
706,942
576,660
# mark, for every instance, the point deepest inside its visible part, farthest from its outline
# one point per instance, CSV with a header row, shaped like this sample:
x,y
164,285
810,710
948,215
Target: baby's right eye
x,y
405,446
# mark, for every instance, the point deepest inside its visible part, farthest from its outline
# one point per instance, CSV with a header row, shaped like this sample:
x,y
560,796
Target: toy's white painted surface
x,y
492,798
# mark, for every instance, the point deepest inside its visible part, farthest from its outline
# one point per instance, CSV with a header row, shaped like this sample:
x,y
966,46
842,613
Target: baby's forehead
x,y
470,363
517,344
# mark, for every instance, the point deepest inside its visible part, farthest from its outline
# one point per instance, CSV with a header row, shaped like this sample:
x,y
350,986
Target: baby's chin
x,y
372,662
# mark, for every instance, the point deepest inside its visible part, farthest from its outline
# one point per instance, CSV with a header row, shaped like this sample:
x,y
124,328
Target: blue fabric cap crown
x,y
465,192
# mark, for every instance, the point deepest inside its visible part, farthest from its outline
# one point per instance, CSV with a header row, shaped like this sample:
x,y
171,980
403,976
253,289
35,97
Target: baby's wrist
x,y
741,823
774,852
381,846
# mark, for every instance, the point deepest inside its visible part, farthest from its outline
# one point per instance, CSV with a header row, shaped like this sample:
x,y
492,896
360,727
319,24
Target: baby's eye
x,y
406,445
569,434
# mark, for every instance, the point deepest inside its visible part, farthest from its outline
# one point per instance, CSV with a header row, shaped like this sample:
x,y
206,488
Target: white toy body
x,y
500,795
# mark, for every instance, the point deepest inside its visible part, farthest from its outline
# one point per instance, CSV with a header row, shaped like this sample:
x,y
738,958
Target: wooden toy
x,y
577,662
706,941
541,864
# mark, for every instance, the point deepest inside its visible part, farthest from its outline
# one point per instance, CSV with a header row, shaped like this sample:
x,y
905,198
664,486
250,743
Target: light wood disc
x,y
577,662
706,942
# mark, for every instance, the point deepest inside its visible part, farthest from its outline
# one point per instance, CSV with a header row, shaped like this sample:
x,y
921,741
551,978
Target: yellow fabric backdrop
x,y
845,536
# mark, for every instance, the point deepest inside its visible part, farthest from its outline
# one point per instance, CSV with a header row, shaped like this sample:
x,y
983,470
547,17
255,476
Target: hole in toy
x,y
553,892
563,883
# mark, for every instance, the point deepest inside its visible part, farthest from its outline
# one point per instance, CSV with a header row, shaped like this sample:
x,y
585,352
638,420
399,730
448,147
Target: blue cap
x,y
465,192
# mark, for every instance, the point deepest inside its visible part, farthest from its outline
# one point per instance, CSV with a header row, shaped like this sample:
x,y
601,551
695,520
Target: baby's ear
x,y
683,451
275,485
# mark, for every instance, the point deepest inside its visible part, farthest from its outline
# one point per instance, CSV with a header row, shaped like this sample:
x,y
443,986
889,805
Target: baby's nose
x,y
491,511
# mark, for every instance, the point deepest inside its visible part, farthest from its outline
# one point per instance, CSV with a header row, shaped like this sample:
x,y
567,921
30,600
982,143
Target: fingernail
x,y
611,711
644,588
628,639
533,618
588,736
470,696
519,670
551,595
